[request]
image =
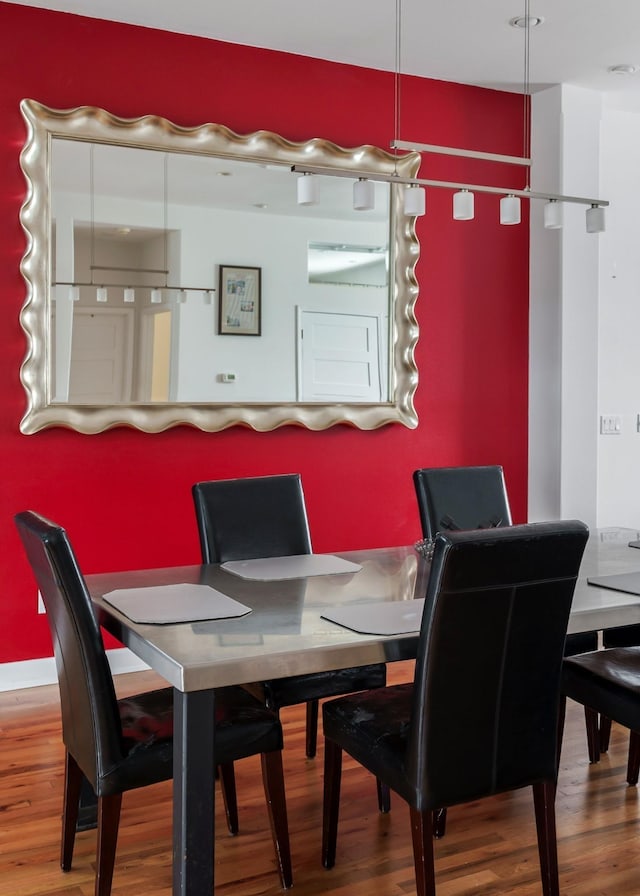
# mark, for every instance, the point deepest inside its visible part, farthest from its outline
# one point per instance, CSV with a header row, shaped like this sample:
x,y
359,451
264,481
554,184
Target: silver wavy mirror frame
x,y
90,124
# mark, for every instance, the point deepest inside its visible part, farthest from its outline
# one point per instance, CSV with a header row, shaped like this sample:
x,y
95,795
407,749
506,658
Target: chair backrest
x,y
487,675
243,519
451,498
91,727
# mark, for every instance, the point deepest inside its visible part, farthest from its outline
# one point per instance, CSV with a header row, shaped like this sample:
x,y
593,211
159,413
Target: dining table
x,y
294,624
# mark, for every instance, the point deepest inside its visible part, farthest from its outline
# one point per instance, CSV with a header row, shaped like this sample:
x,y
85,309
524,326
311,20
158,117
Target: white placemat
x,y
267,569
398,617
165,604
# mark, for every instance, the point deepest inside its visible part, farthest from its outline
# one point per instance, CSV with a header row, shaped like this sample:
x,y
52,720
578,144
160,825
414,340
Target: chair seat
x,y
607,681
373,728
147,729
317,685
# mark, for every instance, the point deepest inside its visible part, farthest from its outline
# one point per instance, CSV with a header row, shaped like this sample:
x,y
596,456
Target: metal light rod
x,y
446,185
131,285
107,267
463,153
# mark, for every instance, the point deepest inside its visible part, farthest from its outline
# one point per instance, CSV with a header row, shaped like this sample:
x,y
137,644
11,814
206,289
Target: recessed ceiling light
x,y
223,173
625,69
526,21
260,205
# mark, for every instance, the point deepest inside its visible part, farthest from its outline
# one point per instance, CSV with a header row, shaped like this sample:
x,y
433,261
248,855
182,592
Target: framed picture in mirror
x,y
240,301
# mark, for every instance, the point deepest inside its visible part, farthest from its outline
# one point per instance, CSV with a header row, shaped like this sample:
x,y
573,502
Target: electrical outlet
x,y
610,425
41,606
608,536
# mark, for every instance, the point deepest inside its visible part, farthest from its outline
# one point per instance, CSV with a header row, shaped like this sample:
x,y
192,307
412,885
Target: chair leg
x,y
605,733
73,778
562,713
544,799
108,822
312,728
422,837
384,797
593,734
331,804
273,780
229,798
439,823
633,763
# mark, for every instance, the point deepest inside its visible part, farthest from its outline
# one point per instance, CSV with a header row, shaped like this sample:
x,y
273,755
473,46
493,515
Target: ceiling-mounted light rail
x,y
446,185
127,284
461,153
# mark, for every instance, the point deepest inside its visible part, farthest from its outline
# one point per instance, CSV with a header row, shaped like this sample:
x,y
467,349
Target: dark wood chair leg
x,y
422,837
544,799
593,734
331,805
312,728
108,822
273,780
562,712
439,823
605,733
73,779
384,797
633,763
228,788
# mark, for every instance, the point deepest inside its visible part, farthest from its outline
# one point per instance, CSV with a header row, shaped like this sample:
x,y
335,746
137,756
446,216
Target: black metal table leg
x,y
193,792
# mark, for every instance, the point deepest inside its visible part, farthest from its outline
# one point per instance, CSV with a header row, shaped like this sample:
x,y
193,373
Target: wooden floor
x,y
489,847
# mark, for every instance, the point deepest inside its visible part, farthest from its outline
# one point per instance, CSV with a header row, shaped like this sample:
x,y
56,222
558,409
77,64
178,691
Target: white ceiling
x,y
468,41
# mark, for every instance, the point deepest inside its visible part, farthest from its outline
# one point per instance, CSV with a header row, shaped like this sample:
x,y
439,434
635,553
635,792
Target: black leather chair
x,y
607,682
624,636
481,716
453,498
119,745
266,516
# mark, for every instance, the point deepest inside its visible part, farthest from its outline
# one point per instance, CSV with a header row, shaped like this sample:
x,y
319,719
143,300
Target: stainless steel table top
x,y
285,634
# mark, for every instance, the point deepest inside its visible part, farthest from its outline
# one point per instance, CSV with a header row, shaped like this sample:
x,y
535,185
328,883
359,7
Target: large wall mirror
x,y
173,278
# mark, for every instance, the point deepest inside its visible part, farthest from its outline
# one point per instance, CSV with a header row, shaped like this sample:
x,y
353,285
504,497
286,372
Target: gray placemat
x,y
626,581
398,617
300,566
164,604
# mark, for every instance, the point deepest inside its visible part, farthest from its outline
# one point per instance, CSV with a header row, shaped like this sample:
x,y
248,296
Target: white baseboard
x,y
33,673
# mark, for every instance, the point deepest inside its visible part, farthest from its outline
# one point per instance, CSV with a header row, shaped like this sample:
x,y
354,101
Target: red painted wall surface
x,y
124,496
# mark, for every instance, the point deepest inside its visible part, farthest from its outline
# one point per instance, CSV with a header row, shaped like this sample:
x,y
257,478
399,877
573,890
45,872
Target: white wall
x,y
585,314
619,347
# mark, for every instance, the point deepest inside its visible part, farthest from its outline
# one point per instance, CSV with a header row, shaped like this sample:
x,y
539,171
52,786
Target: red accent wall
x,y
124,496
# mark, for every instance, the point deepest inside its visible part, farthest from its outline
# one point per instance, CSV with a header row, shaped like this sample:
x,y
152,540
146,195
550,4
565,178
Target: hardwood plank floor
x,y
490,847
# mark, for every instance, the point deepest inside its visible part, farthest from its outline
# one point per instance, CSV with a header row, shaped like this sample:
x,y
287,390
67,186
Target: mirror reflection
x,y
140,236
150,250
